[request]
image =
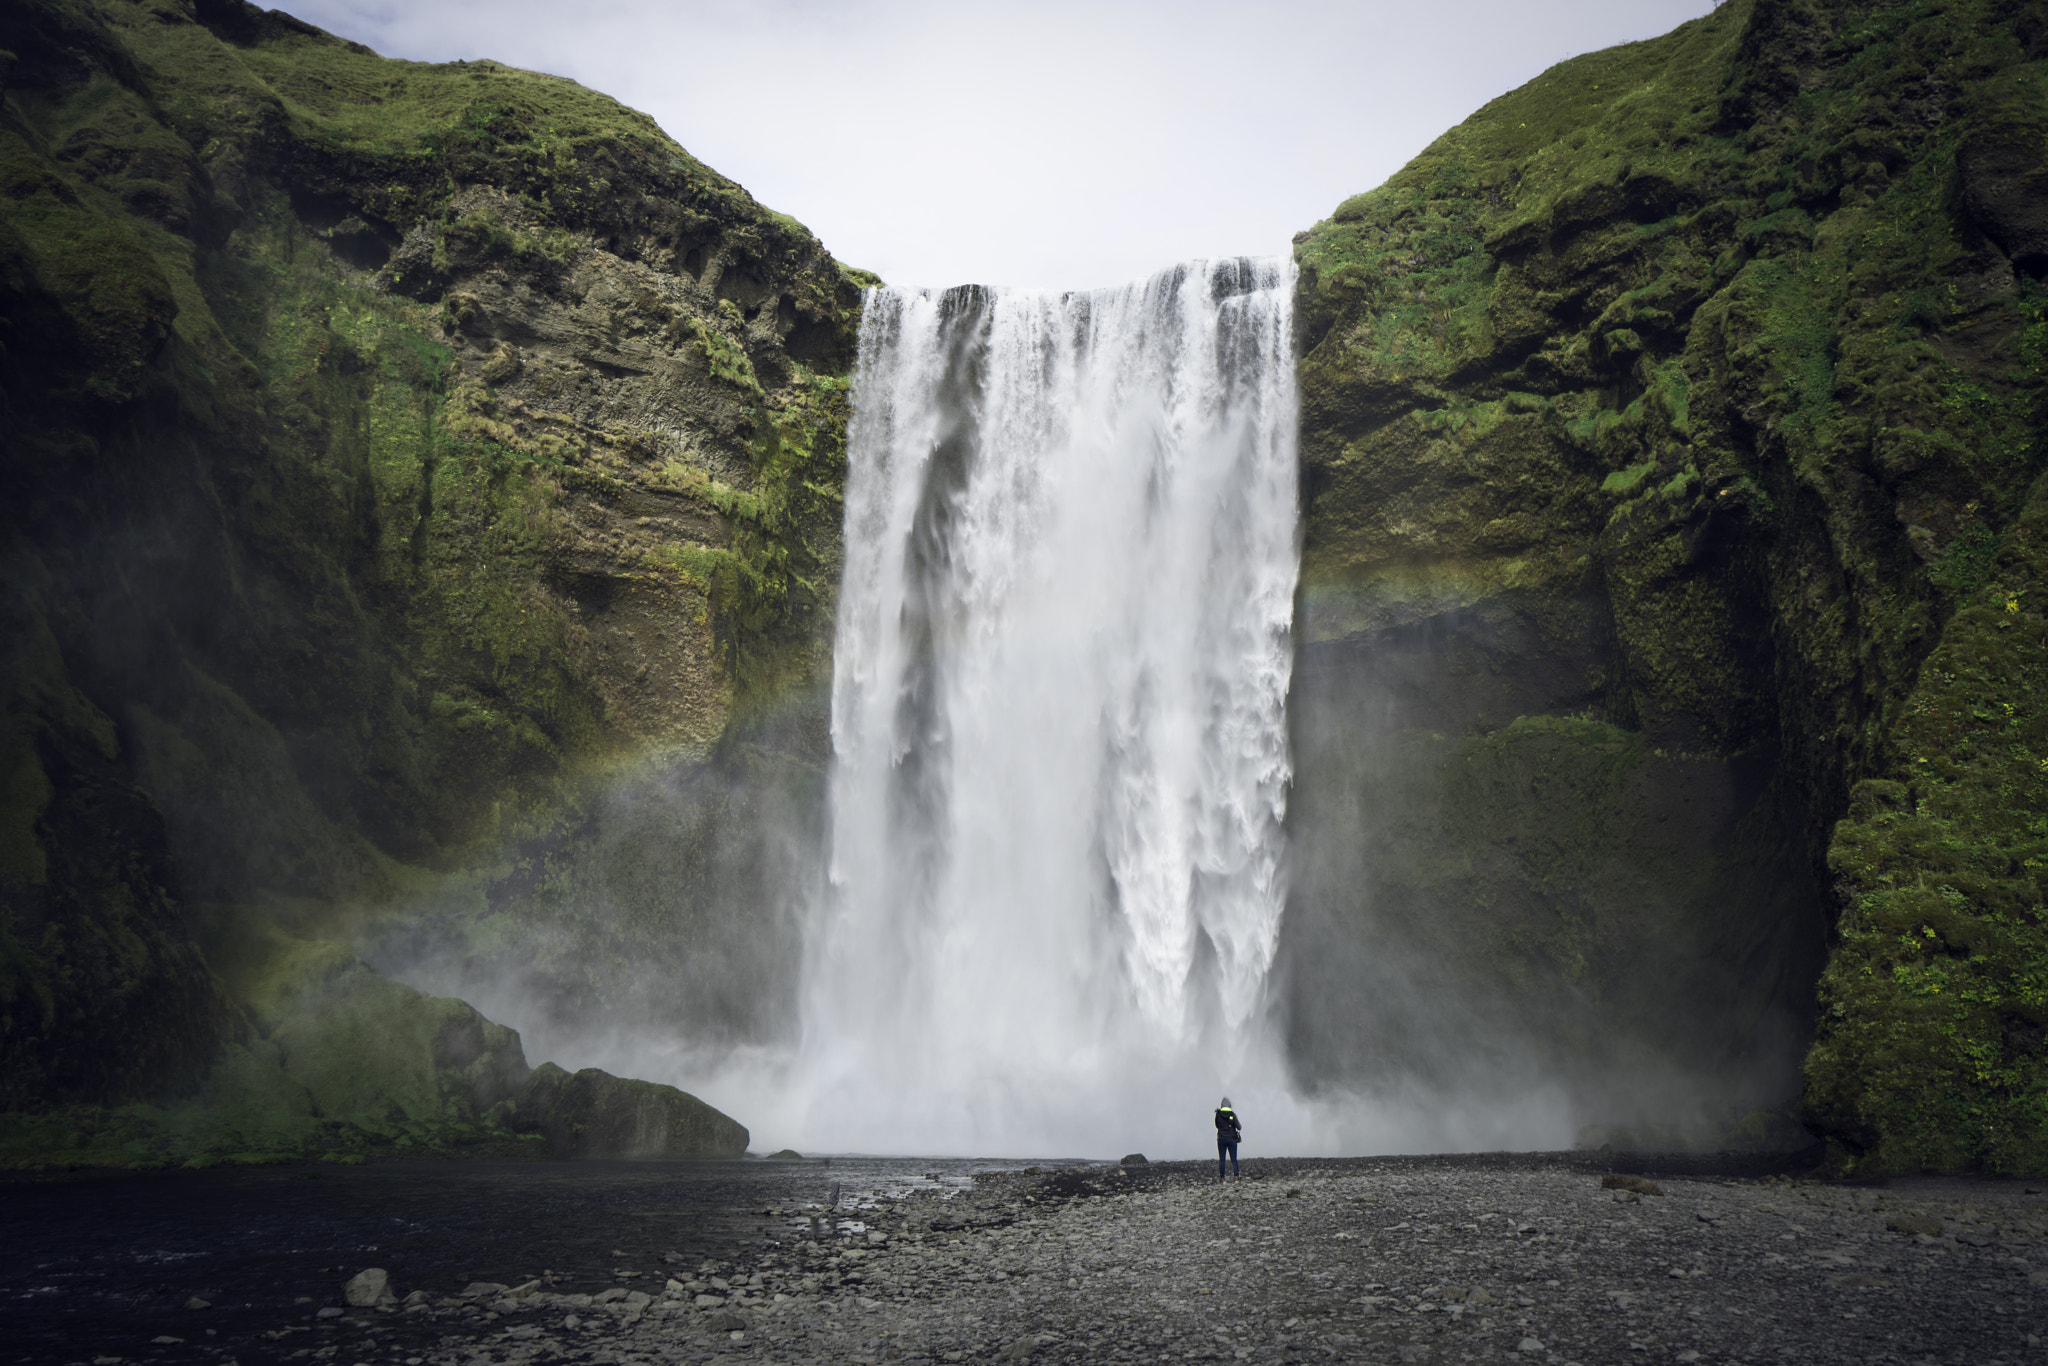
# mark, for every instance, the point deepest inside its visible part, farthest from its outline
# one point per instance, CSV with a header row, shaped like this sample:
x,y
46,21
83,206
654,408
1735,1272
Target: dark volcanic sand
x,y
1476,1258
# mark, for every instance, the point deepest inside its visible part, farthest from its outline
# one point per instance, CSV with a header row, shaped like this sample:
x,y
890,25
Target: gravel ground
x,y
1378,1260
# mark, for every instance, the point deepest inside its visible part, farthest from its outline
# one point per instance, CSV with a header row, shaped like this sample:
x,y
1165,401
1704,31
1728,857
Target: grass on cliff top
x,y
1591,120
230,78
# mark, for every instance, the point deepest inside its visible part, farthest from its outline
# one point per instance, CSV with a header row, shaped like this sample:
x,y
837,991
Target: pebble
x,y
1416,1260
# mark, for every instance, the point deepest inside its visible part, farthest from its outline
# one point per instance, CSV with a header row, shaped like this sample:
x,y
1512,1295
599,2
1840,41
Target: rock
x,y
367,1289
329,1312
638,1299
1527,1345
786,1155
482,1290
1925,1224
595,1114
1641,1185
709,1301
502,365
196,1303
165,1340
617,1292
1020,1349
725,1322
1134,1160
1479,1297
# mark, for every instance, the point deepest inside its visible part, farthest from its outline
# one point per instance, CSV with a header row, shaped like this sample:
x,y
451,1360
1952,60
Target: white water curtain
x,y
1058,714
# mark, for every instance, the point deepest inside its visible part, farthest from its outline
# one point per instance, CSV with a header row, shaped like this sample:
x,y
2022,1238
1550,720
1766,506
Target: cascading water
x,y
1058,717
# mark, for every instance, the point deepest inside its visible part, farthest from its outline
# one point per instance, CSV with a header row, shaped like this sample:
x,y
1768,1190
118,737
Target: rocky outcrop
x,y
399,458
1671,434
592,1113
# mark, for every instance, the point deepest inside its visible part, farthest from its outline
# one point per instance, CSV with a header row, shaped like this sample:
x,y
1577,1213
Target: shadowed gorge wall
x,y
1658,422
398,459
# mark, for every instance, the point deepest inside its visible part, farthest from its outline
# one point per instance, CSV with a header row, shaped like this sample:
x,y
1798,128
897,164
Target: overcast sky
x,y
1031,142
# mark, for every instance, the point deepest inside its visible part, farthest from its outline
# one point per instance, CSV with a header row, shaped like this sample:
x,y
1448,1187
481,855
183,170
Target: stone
x,y
165,1340
725,1321
504,364
196,1303
595,1114
1924,1224
709,1301
1528,1345
1020,1349
369,1287
1641,1185
786,1155
617,1292
1134,1160
328,1312
482,1290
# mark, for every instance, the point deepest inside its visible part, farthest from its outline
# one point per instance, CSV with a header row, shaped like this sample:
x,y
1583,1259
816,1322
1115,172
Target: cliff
x,y
1670,626
401,461
421,530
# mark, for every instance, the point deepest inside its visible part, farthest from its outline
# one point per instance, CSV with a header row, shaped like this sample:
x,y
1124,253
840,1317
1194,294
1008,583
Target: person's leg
x,y
1233,1162
1221,1147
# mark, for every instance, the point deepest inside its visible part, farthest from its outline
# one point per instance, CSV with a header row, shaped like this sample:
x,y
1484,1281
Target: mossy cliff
x,y
397,459
1671,440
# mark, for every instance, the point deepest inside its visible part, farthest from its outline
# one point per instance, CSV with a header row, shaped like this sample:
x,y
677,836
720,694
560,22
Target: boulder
x,y
595,1114
786,1155
367,1289
1133,1160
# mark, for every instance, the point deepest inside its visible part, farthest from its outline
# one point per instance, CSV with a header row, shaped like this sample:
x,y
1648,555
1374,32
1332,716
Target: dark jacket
x,y
1227,1127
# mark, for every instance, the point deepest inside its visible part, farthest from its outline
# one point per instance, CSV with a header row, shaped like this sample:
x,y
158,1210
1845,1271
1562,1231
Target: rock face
x,y
419,515
595,1114
1669,622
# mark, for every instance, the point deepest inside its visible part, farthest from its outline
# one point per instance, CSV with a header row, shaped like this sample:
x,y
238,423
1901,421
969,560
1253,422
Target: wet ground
x,y
98,1266
1485,1258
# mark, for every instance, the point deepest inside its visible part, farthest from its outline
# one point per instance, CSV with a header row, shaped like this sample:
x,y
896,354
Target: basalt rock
x,y
592,1113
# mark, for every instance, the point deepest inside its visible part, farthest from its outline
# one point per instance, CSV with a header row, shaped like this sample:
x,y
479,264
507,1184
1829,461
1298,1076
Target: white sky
x,y
1062,143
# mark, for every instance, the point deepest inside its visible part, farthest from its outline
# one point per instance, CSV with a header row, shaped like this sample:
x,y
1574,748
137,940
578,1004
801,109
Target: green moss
x,y
1625,482
1936,999
1763,318
345,623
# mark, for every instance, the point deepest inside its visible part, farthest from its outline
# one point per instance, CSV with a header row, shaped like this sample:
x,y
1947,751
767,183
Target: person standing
x,y
1228,1131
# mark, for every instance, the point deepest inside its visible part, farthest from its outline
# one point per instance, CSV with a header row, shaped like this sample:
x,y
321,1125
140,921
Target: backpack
x,y
1227,1126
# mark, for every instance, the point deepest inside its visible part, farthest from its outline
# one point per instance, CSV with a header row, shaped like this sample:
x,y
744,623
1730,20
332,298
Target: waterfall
x,y
1058,716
